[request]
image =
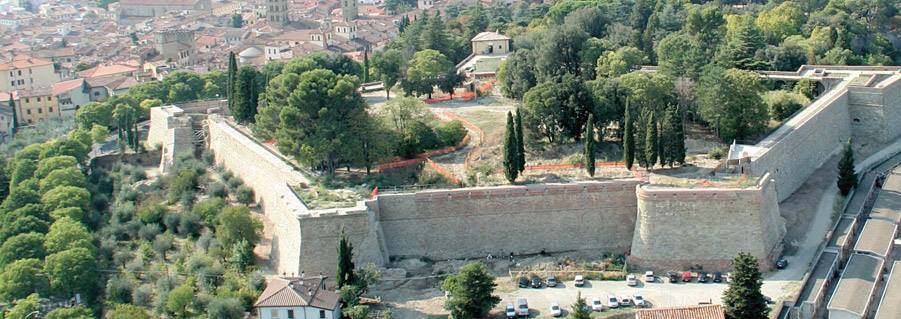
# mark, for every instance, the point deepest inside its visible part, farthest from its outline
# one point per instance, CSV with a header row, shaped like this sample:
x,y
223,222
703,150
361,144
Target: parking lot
x,y
659,294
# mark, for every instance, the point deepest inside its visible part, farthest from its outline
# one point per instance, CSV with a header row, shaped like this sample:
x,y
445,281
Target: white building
x,y
298,298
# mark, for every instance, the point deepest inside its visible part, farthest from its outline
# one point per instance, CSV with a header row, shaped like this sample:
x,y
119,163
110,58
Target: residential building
x,y
71,95
425,4
24,72
109,70
34,105
298,298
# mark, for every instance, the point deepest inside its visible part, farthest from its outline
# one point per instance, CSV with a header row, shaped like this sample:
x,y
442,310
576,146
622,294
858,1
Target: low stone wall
x,y
678,228
475,222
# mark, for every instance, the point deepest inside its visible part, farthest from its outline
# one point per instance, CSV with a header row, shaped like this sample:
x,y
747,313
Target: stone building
x,y
301,297
71,95
490,43
277,12
24,72
349,10
425,4
176,45
33,106
155,8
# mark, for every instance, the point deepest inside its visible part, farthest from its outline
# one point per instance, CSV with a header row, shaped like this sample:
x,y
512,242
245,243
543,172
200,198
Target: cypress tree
x,y
628,138
365,66
520,144
231,86
511,160
246,95
589,145
345,273
677,135
650,144
847,179
743,299
15,120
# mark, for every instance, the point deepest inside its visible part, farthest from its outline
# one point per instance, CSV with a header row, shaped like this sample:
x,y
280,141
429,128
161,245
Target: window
x,y
50,109
39,98
273,313
290,313
96,93
322,314
28,111
40,111
20,72
26,100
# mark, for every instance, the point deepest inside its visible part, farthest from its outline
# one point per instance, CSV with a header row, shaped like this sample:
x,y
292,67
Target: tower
x,y
277,12
349,9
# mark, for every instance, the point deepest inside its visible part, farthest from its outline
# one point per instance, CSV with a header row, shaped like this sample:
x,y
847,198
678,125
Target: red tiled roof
x,y
692,312
105,70
66,86
297,292
158,2
23,61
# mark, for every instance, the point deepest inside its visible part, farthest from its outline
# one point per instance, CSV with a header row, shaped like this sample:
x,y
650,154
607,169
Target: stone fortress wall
x,y
677,226
864,103
662,228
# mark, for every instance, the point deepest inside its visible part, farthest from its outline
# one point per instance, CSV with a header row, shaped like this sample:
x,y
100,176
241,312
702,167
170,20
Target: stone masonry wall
x,y
170,129
474,222
678,228
269,178
804,143
875,111
319,238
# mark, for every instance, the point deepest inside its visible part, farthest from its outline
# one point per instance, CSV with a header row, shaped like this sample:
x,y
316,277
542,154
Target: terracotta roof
x,y
490,36
105,70
298,292
22,61
158,2
66,86
693,312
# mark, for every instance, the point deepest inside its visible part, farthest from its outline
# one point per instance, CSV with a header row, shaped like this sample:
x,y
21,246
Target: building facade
x,y
25,73
298,298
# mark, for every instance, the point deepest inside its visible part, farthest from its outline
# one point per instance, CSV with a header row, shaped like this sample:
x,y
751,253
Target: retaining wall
x,y
678,228
474,222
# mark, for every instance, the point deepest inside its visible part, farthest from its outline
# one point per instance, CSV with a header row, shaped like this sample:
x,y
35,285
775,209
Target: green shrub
x,y
217,189
208,210
782,104
450,133
716,153
234,182
184,182
152,214
244,195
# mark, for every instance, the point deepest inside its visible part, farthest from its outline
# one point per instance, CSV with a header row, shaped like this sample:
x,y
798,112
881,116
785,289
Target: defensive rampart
x,y
475,222
678,228
864,104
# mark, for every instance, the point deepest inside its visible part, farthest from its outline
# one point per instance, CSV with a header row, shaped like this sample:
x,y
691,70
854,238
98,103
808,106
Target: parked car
x,y
536,282
555,310
673,277
649,276
625,301
522,307
523,282
686,276
596,304
717,277
511,312
552,281
631,280
612,302
579,281
639,301
702,277
781,263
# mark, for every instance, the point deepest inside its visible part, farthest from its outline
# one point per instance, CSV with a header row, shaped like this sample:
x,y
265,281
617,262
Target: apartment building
x,y
24,72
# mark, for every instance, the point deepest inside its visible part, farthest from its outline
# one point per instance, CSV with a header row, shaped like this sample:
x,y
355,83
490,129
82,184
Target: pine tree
x,y
628,138
589,145
345,273
520,144
580,308
232,78
743,299
847,179
365,66
511,160
650,144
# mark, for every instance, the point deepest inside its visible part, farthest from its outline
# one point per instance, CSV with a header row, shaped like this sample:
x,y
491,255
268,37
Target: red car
x,y
686,276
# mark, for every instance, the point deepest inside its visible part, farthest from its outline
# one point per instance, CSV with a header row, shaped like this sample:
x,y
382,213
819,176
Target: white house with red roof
x,y
298,298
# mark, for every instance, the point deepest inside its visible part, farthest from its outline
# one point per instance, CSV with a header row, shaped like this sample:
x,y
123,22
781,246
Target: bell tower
x,y
349,10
